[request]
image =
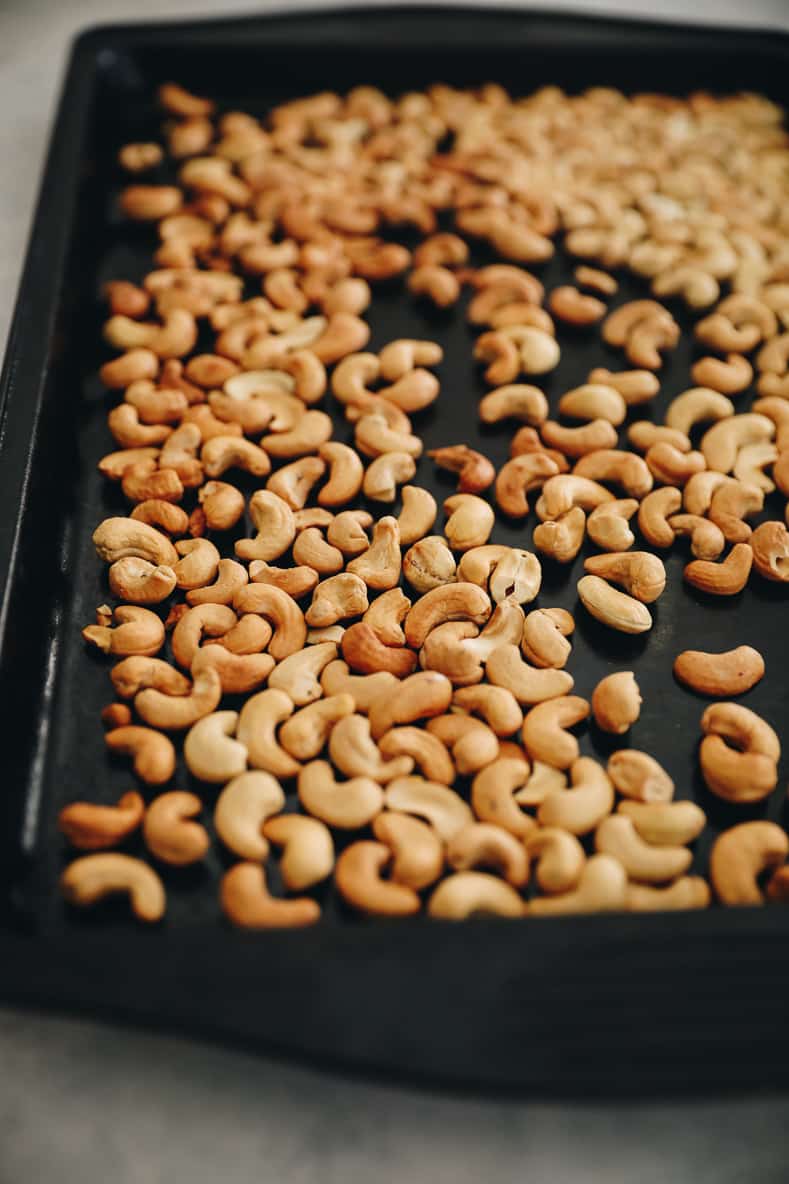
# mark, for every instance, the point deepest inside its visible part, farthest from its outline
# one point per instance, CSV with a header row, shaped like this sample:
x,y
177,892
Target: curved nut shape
x,y
475,471
346,805
602,888
567,490
290,626
169,832
359,879
379,566
611,607
91,827
617,836
336,679
698,404
721,443
444,809
561,539
616,702
247,903
544,730
417,515
308,850
385,473
731,673
425,750
528,470
346,473
496,705
560,858
529,684
640,573
688,892
356,754
458,602
417,851
770,548
665,823
137,631
336,599
740,855
722,579
637,775
241,810
275,525
473,744
624,468
140,582
494,799
594,401
518,401
257,732
429,564
92,877
364,652
421,696
469,523
212,620
153,753
654,513
470,894
305,734
209,750
298,675
177,712
231,577
580,809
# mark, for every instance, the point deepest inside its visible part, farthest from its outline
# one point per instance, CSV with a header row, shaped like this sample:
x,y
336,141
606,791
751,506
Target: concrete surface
x,y
84,1102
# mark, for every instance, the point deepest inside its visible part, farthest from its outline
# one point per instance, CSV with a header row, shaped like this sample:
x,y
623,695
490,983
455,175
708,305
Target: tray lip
x,y
48,242
648,23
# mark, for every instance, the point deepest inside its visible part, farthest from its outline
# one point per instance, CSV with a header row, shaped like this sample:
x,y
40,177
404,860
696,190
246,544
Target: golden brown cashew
x,y
576,442
518,476
544,730
697,405
529,684
417,851
231,577
544,642
346,805
417,515
168,517
199,564
359,880
308,855
625,468
740,855
345,474
731,673
475,470
472,743
580,809
613,608
672,466
721,443
643,434
493,796
177,712
403,355
426,750
139,581
246,902
379,566
665,823
336,678
429,564
644,862
729,377
616,702
336,599
168,832
121,538
136,631
707,540
241,810
469,894
602,888
594,401
746,771
221,453
688,892
496,705
154,755
305,734
257,724
290,628
385,473
461,601
213,620
91,827
561,539
635,386
92,877
560,858
311,550
347,531
640,573
275,526
298,675
510,573
444,809
421,696
722,579
654,513
770,547
486,845
566,491
568,304
294,482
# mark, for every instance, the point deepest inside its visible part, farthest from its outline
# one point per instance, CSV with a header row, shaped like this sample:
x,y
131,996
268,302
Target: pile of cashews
x,y
396,677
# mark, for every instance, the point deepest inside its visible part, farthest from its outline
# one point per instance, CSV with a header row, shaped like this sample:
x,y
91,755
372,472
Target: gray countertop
x,y
82,1101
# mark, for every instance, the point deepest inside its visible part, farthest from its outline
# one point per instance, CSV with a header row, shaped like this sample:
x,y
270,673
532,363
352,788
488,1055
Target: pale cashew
x,y
177,712
700,490
209,750
385,473
346,531
469,894
494,798
311,550
379,567
136,631
351,378
740,855
707,540
616,702
90,826
611,607
444,809
665,823
276,529
729,377
640,573
345,474
697,405
625,468
637,775
731,673
213,620
483,845
246,902
635,386
472,743
294,482
425,749
545,737
617,836
417,851
515,401
469,521
653,514
241,810
417,515
745,768
271,602
305,734
722,579
721,443
429,564
257,732
594,401
385,614
376,436
359,880
170,834
562,493
751,462
561,538
92,877
154,755
122,538
688,892
403,355
347,805
580,809
560,858
602,888
298,675
308,855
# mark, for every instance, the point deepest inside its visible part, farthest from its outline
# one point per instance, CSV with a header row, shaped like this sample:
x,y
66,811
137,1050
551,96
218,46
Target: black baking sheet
x,y
615,1002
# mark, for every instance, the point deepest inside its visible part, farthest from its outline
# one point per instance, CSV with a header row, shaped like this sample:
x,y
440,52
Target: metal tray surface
x,y
611,1002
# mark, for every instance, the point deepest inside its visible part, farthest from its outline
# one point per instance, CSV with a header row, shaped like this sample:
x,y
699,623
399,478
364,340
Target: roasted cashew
x,y
231,577
209,750
561,538
544,730
269,601
257,732
484,845
170,834
359,880
594,401
611,607
417,851
136,631
640,573
616,702
91,827
602,888
731,673
770,548
722,579
470,893
580,809
346,805
637,775
665,823
177,712
241,810
697,405
444,809
560,858
740,855
494,797
154,755
644,862
298,675
688,892
654,513
92,877
246,902
529,684
469,521
121,538
385,473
